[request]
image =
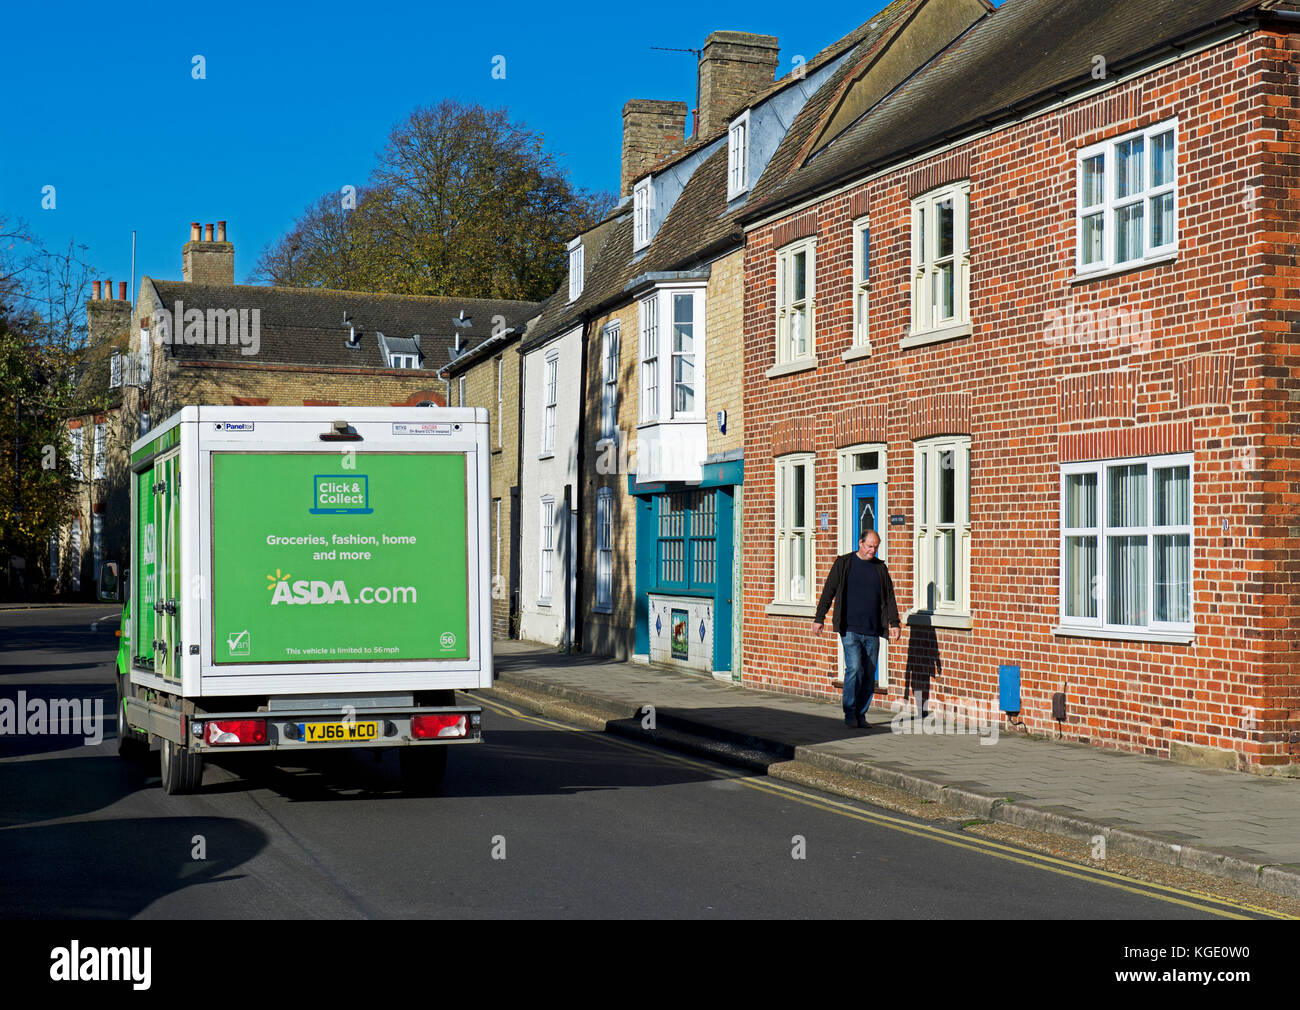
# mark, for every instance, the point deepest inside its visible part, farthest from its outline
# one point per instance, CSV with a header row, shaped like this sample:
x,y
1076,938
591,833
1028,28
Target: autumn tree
x,y
461,202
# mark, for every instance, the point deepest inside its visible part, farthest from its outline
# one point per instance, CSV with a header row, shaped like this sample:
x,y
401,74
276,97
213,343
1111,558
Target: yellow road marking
x,y
972,843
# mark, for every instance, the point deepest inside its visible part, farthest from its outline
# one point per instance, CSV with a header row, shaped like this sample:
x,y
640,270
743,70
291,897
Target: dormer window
x,y
642,202
403,361
575,269
738,157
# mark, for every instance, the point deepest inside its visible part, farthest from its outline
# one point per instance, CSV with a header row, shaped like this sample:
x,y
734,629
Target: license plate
x,y
336,732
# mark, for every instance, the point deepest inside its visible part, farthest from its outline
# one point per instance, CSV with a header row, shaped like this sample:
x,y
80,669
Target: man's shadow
x,y
923,664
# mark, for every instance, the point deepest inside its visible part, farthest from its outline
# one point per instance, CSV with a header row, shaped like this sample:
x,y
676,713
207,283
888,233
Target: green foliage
x,y
34,470
461,202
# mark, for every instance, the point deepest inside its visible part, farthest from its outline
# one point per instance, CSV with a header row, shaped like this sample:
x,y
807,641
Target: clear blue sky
x,y
101,103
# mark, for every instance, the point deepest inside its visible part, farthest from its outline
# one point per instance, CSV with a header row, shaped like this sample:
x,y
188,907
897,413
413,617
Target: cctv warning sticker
x,y
424,428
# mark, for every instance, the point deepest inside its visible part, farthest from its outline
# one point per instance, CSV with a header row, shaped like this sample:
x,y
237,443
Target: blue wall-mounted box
x,y
1009,688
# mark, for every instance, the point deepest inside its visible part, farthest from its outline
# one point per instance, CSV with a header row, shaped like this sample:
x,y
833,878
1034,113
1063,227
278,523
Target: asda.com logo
x,y
314,591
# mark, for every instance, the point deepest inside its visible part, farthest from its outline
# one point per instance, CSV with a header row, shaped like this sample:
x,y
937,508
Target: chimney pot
x,y
108,289
207,233
221,231
94,291
196,231
121,290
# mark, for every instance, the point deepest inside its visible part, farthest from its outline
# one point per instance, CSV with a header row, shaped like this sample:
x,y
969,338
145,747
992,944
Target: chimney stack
x,y
734,67
207,260
652,130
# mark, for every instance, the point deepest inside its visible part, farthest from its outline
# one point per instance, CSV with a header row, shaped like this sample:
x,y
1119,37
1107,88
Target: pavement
x,y
1226,823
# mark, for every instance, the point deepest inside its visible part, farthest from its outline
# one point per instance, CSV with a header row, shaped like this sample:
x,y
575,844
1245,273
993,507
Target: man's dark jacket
x,y
835,585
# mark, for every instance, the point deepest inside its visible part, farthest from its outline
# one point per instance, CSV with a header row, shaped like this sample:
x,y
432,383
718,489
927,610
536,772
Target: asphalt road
x,y
542,820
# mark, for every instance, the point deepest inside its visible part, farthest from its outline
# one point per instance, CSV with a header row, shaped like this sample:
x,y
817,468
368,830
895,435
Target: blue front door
x,y
864,511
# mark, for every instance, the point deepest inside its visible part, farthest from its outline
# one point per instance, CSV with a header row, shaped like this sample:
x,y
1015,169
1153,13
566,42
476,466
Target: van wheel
x,y
130,744
423,769
182,770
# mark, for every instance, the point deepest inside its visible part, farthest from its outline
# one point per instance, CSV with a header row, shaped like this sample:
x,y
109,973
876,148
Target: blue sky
x,y
296,102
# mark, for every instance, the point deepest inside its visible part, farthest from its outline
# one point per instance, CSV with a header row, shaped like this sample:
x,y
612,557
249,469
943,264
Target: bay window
x,y
672,355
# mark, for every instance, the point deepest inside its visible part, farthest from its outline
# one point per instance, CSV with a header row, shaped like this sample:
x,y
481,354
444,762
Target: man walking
x,y
864,611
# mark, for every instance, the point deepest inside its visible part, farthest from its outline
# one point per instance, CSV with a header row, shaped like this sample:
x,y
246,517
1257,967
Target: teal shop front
x,y
687,594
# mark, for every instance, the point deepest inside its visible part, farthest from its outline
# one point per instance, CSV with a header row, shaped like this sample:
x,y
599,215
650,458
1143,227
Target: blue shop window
x,y
688,539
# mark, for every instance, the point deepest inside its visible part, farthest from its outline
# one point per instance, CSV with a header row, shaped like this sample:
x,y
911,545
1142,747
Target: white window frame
x,y
1102,532
861,286
496,518
546,552
550,399
1111,205
100,464
738,156
784,588
76,457
97,543
648,316
610,350
642,208
604,550
787,351
500,399
115,370
928,553
406,361
577,258
460,390
659,354
928,264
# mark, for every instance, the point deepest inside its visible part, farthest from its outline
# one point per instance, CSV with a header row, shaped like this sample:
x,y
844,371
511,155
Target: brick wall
x,y
1216,373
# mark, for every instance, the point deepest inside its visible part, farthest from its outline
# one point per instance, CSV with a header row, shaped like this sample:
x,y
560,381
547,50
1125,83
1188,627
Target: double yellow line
x,y
1161,892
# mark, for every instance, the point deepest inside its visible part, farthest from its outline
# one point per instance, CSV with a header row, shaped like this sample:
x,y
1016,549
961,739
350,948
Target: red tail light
x,y
429,727
227,732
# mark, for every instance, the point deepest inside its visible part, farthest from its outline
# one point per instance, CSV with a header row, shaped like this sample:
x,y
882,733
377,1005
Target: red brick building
x,y
1032,316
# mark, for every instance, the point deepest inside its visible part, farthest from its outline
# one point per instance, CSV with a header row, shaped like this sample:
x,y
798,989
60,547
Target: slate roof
x,y
305,325
1026,52
702,224
869,31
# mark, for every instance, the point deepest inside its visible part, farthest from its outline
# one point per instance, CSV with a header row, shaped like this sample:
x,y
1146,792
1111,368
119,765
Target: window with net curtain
x,y
1126,543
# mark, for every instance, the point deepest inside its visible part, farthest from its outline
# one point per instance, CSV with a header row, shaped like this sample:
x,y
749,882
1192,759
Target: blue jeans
x,y
860,655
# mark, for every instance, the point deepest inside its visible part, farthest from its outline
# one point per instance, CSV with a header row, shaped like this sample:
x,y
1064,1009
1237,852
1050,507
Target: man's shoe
x,y
863,724
848,721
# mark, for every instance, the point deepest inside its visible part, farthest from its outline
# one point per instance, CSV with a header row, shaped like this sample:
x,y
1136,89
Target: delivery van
x,y
304,578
